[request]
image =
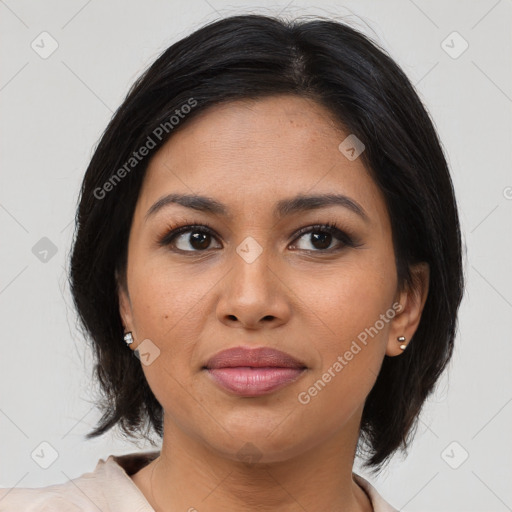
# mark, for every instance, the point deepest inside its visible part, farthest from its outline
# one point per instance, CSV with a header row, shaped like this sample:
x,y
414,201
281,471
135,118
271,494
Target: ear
x,y
412,301
125,305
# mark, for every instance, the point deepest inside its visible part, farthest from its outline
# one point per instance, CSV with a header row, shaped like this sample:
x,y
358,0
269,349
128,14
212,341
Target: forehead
x,y
249,154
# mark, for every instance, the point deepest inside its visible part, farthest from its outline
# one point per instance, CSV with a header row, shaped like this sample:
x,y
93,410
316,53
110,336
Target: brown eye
x,y
189,239
322,236
319,240
196,239
199,238
323,240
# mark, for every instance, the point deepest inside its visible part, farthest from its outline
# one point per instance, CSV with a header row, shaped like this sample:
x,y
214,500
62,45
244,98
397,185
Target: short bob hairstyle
x,y
256,56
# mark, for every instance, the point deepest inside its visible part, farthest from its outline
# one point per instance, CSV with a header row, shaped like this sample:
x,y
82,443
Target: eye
x,y
198,238
323,236
189,238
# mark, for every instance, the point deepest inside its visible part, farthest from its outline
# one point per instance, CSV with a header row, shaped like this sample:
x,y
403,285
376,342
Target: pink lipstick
x,y
253,371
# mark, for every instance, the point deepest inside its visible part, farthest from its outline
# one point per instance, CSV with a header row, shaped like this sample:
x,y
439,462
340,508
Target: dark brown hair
x,y
254,56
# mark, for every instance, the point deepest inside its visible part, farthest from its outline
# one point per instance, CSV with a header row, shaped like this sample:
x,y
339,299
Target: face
x,y
248,276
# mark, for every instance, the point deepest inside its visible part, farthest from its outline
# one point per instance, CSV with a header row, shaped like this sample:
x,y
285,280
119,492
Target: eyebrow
x,y
285,207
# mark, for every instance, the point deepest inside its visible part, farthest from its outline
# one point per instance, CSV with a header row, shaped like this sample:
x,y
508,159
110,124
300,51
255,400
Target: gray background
x,y
53,112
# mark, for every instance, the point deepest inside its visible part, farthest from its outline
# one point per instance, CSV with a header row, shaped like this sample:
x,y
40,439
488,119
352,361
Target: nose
x,y
253,295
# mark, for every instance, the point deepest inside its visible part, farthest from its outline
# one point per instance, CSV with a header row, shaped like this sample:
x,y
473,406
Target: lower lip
x,y
246,381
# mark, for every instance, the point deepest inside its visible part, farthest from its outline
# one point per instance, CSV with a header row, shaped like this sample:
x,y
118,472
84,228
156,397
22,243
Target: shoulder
x,y
107,487
378,502
58,497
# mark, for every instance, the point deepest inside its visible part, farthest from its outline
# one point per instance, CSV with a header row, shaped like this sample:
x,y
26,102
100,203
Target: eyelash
x,y
330,227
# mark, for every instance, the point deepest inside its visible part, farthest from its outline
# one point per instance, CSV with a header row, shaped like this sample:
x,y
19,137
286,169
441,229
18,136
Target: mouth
x,y
248,381
253,371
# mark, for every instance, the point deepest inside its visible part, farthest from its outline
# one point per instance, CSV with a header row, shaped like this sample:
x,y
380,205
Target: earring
x,y
128,338
401,339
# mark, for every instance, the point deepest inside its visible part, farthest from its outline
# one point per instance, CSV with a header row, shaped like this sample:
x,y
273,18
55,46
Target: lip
x,y
255,357
246,381
253,371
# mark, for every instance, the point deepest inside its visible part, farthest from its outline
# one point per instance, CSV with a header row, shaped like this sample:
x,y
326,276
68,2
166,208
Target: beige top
x,y
109,488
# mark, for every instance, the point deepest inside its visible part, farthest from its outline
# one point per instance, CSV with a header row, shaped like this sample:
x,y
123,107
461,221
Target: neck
x,y
189,476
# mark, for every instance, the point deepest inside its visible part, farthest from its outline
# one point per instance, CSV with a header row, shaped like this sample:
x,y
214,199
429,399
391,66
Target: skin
x,y
296,296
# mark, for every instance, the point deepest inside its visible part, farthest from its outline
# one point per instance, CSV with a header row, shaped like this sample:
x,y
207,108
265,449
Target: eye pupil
x,y
202,240
325,239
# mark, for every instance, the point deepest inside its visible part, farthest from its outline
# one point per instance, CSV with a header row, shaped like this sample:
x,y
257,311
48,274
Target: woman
x,y
270,225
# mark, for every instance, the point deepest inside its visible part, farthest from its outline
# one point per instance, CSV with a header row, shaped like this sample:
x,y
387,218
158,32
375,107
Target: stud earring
x,y
128,338
401,339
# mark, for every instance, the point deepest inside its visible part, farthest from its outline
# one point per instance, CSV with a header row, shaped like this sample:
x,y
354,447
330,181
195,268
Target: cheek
x,y
351,308
170,307
166,298
349,297
350,343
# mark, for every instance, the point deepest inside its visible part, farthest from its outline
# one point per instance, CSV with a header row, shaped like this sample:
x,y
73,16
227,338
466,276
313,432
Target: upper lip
x,y
255,357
